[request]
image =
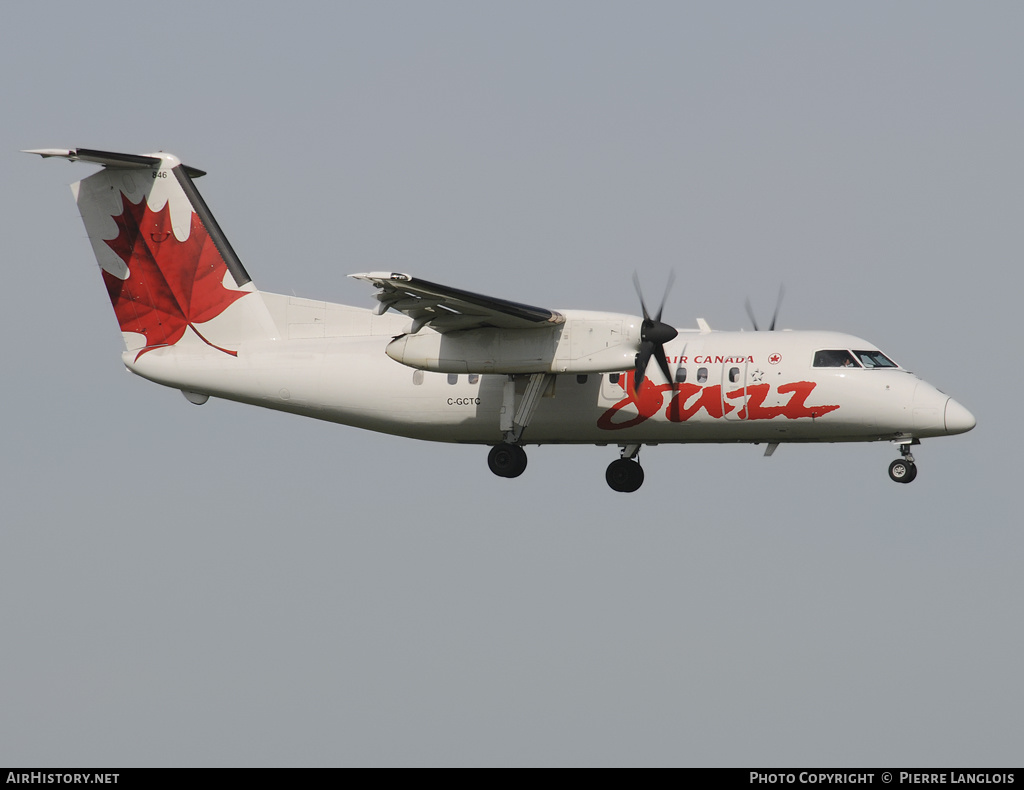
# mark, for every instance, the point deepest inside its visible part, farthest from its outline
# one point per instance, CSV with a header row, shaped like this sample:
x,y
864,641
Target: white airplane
x,y
442,364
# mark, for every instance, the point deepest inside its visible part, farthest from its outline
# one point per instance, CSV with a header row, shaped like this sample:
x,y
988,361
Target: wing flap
x,y
447,309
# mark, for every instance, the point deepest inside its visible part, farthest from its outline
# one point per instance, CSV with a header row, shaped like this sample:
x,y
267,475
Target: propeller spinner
x,y
654,334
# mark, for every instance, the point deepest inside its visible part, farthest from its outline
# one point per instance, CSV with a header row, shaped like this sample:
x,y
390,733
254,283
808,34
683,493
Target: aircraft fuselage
x,y
734,387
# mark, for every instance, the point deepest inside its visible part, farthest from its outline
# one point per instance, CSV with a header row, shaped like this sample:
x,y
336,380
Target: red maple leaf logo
x,y
172,285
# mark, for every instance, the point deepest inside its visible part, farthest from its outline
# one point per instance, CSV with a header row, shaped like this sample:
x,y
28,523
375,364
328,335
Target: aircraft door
x,y
612,389
734,390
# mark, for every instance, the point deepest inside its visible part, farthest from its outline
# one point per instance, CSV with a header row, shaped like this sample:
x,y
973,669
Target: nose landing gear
x,y
903,470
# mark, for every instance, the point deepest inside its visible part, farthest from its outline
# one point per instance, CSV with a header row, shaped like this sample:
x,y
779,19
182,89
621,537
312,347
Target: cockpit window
x,y
835,358
875,359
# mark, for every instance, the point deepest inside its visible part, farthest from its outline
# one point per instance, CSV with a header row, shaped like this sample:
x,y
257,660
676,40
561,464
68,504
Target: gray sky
x,y
229,586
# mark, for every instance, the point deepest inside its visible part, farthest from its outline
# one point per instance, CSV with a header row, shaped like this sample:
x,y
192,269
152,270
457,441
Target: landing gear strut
x,y
507,460
903,470
625,474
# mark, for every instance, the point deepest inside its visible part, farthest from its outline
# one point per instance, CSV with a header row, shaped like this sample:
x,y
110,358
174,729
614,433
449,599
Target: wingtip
x,y
381,276
48,152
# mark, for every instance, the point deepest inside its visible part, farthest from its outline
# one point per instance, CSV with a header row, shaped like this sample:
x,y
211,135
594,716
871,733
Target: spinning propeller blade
x,y
654,334
775,315
778,304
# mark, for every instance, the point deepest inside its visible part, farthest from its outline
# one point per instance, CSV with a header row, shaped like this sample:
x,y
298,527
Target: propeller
x,y
775,316
654,334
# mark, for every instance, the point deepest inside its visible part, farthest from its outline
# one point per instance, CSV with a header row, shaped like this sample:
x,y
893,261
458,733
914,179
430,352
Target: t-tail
x,y
172,276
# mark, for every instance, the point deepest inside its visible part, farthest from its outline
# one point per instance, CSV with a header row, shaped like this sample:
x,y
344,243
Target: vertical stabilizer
x,y
172,276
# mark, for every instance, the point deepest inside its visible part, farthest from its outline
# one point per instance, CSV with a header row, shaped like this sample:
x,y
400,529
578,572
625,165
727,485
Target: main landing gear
x,y
625,473
507,460
903,470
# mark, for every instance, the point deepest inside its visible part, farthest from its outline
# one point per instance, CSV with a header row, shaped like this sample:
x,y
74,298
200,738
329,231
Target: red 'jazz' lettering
x,y
755,410
708,398
796,407
689,399
648,402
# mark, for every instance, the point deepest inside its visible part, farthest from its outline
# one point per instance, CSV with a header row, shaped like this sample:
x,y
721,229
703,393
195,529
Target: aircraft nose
x,y
958,419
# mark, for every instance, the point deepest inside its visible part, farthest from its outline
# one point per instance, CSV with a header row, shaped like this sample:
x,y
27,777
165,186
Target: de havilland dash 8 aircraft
x,y
439,363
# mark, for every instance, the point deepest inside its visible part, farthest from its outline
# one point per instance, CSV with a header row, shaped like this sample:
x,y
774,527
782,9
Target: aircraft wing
x,y
447,309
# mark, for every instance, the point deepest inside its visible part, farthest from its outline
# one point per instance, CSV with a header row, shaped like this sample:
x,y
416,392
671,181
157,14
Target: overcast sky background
x,y
229,586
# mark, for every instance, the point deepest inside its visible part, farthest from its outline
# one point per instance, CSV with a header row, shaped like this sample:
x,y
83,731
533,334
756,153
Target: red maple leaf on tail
x,y
172,285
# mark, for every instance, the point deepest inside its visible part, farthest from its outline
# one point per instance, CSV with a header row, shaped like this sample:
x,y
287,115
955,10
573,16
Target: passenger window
x,y
581,379
734,375
474,378
417,377
835,358
613,378
680,375
453,378
702,375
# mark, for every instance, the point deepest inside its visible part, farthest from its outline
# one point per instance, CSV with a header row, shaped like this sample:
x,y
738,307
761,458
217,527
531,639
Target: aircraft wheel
x,y
507,460
902,471
624,475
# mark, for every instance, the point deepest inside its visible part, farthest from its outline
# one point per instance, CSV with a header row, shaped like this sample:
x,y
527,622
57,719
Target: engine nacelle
x,y
588,342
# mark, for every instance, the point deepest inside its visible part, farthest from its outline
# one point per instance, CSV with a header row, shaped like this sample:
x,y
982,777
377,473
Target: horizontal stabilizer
x,y
108,158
